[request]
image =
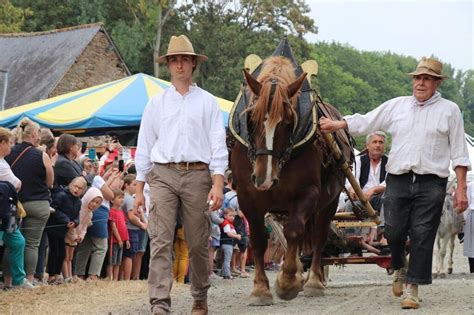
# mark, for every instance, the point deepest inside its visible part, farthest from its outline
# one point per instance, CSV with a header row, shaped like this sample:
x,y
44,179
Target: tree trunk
x,y
164,10
156,50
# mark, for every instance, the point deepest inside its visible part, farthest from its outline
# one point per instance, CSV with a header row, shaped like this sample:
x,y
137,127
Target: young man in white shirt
x,y
182,155
427,134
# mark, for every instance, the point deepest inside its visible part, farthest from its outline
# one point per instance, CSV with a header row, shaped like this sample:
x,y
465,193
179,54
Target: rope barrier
x,y
60,225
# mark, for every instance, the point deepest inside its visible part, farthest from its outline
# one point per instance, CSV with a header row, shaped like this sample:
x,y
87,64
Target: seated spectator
x,y
369,171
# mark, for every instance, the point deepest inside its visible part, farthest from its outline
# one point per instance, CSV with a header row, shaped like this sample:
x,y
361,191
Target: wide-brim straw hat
x,y
181,45
430,67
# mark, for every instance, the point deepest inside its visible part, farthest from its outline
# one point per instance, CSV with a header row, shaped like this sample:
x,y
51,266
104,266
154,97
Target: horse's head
x,y
272,119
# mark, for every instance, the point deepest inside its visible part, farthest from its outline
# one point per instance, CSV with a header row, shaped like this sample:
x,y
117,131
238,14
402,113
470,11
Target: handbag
x,y
21,213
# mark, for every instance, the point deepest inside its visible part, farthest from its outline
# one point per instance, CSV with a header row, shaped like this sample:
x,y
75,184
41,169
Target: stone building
x,y
46,64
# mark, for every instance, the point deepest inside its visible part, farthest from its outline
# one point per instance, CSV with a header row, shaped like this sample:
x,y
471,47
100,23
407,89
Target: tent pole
x,y
5,86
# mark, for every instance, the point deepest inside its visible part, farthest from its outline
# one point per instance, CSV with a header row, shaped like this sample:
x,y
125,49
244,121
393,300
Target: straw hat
x,y
180,45
431,67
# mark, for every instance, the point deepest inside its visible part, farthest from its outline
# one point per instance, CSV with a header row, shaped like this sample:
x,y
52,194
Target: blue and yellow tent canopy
x,y
116,104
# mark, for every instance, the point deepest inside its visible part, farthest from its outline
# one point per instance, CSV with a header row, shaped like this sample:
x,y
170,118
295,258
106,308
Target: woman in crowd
x,y
47,144
33,167
14,241
66,167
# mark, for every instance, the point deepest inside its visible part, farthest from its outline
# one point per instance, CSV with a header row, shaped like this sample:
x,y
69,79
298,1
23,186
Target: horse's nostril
x,y
254,178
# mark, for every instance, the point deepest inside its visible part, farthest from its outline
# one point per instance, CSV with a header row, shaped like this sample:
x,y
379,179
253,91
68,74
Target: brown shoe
x,y
199,308
399,279
410,301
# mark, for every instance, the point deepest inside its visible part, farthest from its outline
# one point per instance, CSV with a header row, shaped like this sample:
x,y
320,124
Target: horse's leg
x,y
436,255
290,278
451,250
261,294
442,254
315,284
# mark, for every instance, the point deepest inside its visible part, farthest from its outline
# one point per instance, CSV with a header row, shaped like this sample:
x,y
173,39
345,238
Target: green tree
x,y
12,18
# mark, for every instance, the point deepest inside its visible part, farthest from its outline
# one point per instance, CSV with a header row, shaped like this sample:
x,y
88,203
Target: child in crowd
x,y
228,234
60,225
214,239
90,202
118,235
135,221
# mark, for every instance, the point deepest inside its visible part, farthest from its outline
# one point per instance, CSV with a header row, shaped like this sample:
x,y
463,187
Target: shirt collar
x,y
192,88
436,97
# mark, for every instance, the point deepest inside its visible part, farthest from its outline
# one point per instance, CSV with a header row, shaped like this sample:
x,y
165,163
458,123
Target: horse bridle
x,y
285,155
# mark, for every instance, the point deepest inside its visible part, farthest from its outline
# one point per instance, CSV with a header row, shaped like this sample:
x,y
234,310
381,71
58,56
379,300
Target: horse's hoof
x,y
263,300
312,291
288,294
450,271
442,275
435,275
289,291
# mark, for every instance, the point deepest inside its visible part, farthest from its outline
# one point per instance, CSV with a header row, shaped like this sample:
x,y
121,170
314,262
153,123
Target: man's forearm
x,y
140,186
217,180
461,172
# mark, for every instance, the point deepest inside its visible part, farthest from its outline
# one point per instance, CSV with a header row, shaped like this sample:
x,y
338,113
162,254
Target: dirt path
x,y
354,289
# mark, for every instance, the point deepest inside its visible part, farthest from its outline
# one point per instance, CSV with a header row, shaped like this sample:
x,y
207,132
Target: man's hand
x,y
328,125
215,198
460,199
369,193
127,244
139,200
352,194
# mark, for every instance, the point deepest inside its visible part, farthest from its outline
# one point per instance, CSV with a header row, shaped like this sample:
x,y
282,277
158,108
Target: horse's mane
x,y
280,69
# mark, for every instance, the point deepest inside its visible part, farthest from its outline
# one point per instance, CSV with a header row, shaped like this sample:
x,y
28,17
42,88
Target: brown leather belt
x,y
187,166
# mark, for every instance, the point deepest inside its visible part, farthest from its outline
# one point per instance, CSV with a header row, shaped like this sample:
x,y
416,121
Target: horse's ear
x,y
296,85
254,85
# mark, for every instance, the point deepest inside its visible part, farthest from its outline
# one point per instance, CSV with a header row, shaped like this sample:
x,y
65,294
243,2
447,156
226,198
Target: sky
x,y
414,28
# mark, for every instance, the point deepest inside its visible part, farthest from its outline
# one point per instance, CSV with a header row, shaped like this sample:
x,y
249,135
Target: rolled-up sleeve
x,y
457,142
376,119
146,140
217,138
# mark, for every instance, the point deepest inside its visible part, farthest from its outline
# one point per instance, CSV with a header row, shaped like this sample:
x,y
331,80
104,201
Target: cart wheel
x,y
389,271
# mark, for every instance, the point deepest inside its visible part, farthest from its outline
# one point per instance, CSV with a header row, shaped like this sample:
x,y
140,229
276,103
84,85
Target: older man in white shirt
x,y
427,133
182,155
370,171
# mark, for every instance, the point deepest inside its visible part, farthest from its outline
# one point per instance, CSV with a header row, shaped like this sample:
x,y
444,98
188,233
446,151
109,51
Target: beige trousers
x,y
173,191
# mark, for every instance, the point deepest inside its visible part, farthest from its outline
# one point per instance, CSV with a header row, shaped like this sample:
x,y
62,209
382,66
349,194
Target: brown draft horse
x,y
302,189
